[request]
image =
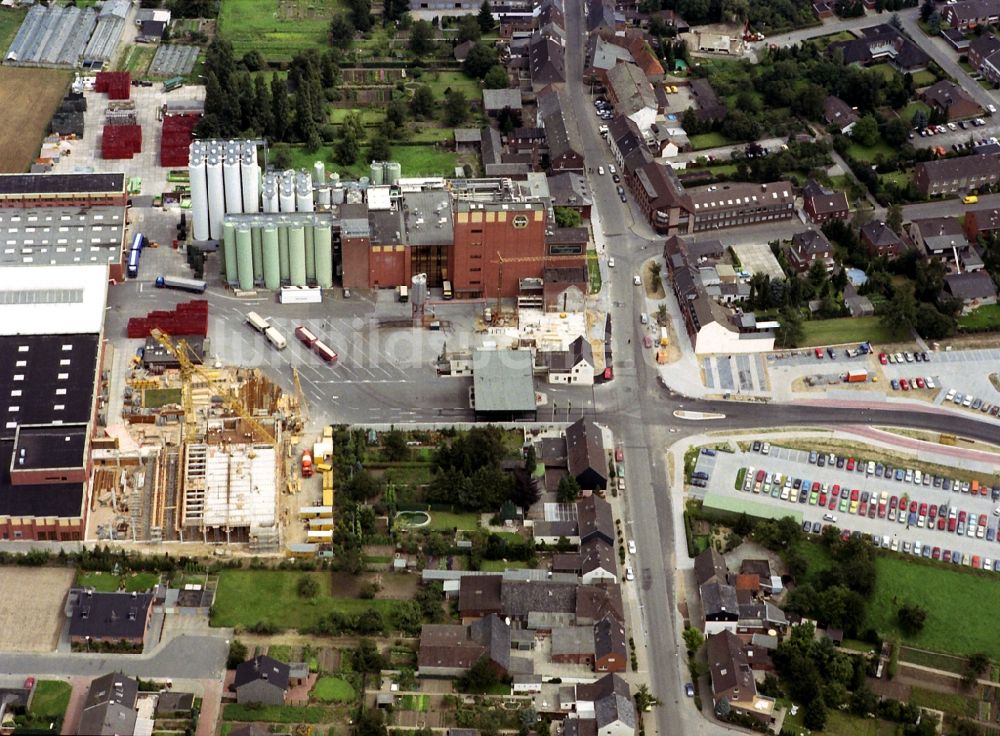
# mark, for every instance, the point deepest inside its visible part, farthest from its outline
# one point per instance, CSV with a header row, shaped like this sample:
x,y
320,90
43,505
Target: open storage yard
x,y
28,97
31,623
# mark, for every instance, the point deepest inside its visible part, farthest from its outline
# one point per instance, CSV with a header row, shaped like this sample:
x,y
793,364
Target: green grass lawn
x,y
333,690
924,78
446,521
280,652
277,28
416,160
951,703
951,598
501,565
155,398
50,699
910,110
594,269
414,702
887,72
246,597
369,116
899,178
984,317
867,154
431,135
708,140
441,82
10,21
845,330
840,724
137,60
108,583
277,713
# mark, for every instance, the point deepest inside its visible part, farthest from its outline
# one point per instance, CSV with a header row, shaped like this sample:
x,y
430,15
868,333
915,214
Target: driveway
x,y
75,708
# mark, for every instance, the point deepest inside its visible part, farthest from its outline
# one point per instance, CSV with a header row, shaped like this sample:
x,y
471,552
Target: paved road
x,y
724,154
947,207
192,657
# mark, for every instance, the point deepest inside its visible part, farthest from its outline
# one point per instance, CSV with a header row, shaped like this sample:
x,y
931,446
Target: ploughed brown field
x,y
28,98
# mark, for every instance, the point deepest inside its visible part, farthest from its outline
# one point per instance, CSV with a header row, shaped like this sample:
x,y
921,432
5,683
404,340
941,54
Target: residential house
x,y
984,56
632,94
822,204
598,561
956,38
880,241
857,304
586,458
565,149
595,519
839,113
546,60
951,99
601,17
610,647
479,595
461,51
810,246
596,602
733,681
710,567
971,13
603,55
708,106
113,618
758,616
571,189
261,680
939,236
881,44
608,702
720,608
109,708
769,583
496,101
575,365
623,138
983,221
975,289
450,650
643,55
956,175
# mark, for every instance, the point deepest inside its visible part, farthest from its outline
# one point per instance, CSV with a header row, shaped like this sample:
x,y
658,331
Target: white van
x,y
644,318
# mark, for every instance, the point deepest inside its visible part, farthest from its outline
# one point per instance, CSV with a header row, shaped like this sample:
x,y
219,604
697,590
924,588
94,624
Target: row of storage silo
x,y
225,178
277,249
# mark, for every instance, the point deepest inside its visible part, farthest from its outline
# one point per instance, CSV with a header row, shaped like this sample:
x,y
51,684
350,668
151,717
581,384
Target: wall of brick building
x,y
389,266
355,263
480,234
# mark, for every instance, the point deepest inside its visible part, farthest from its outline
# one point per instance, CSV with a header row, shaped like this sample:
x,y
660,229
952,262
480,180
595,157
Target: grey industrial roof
x,y
498,99
61,183
503,381
572,640
53,35
174,60
61,235
104,42
428,218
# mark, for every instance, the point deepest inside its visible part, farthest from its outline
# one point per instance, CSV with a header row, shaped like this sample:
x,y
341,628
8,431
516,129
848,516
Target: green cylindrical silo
x,y
258,259
229,252
272,271
283,253
296,256
244,258
324,256
310,255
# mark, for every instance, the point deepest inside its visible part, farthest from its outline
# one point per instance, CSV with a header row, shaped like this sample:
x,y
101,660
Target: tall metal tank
x,y
244,257
270,194
233,184
363,182
336,195
323,196
418,289
283,251
296,256
286,196
323,243
335,178
393,172
216,196
375,171
199,191
250,177
229,252
310,254
258,260
303,192
319,172
272,268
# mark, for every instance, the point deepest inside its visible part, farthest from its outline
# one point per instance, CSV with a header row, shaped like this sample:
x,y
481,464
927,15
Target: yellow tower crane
x,y
183,353
301,397
500,261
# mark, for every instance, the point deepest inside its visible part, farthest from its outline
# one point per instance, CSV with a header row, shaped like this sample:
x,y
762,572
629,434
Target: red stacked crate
x,y
176,139
185,319
121,141
117,85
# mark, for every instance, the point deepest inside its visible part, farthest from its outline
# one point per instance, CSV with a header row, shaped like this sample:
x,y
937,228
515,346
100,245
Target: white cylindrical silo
x,y
229,252
272,267
336,195
323,196
250,176
244,257
303,192
216,197
322,242
393,172
270,195
286,197
199,191
233,185
296,255
319,173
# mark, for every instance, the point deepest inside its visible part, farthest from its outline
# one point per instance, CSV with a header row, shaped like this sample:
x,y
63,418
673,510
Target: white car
x,y
991,108
766,448
611,263
611,169
950,395
929,382
600,170
952,126
631,546
629,573
636,280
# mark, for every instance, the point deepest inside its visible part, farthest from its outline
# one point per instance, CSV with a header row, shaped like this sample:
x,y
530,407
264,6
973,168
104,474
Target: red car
x,y
932,512
920,382
619,454
863,509
936,553
819,353
29,683
854,494
904,384
893,502
952,523
941,523
822,498
882,358
833,503
850,464
983,521
923,509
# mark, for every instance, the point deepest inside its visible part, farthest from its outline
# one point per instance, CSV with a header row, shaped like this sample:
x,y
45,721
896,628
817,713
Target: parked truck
x,y
179,282
859,376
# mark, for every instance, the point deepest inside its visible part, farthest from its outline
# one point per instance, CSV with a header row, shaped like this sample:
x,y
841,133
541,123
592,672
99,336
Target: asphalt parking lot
x,y
724,466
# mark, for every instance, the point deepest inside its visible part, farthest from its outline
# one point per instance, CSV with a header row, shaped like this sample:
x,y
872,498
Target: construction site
x,y
205,454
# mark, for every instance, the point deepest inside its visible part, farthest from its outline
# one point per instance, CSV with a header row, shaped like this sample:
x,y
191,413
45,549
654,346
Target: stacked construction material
x,y
121,141
176,139
68,118
190,318
117,85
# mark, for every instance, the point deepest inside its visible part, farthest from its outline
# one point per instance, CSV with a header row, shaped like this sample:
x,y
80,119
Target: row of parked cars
x,y
905,384
971,402
919,549
919,357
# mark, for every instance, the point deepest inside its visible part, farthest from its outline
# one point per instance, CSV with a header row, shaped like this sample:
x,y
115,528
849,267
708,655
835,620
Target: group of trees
x,y
467,471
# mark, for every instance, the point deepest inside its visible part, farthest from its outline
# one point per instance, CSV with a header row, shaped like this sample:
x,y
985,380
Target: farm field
x,y
277,28
848,329
26,124
248,597
947,595
32,623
